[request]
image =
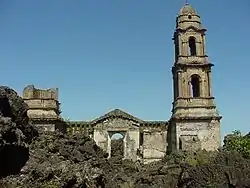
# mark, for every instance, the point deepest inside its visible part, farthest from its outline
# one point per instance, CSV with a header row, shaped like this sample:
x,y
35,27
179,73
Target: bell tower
x,y
195,121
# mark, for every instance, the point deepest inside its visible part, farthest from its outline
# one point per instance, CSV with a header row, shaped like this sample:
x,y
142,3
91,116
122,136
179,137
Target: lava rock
x,y
15,132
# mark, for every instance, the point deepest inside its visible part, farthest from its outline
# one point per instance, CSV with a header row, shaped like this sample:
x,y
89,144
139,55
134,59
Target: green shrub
x,y
237,142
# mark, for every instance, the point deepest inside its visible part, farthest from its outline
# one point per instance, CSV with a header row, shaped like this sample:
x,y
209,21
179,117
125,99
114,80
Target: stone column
x,y
109,146
179,78
180,45
209,83
199,48
203,44
187,85
125,147
184,47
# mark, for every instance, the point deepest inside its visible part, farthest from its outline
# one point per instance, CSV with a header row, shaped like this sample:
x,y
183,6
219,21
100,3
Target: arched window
x,y
195,85
192,46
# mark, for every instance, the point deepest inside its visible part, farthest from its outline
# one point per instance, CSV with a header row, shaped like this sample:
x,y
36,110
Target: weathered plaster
x,y
154,145
104,130
206,135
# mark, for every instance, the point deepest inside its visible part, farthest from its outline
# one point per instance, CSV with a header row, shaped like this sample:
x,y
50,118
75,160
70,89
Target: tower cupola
x,y
188,17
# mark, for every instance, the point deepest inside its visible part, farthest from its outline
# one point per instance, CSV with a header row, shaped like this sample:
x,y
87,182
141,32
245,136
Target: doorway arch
x,y
117,144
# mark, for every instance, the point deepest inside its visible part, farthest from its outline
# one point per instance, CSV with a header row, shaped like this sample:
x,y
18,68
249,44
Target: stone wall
x,y
193,135
30,92
79,127
43,104
155,146
104,130
44,108
143,140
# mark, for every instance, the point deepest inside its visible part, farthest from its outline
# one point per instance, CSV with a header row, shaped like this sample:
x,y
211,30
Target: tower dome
x,y
188,17
187,10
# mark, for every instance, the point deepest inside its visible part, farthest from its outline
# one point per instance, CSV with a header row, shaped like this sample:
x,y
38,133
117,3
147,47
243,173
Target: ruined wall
x,y
79,127
44,107
132,140
104,130
43,104
154,144
30,92
193,135
101,138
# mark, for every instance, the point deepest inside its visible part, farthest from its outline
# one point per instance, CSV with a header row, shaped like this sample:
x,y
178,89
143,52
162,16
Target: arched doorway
x,y
117,145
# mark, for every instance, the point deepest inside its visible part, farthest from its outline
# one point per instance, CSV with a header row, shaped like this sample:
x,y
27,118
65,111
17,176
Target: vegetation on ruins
x,y
238,142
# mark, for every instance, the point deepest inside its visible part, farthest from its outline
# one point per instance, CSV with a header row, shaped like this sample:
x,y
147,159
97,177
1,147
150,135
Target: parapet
x,y
30,92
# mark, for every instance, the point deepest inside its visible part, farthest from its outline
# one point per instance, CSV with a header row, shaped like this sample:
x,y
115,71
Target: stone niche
x,y
129,129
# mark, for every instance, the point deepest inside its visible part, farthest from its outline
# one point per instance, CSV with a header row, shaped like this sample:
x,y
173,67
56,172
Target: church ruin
x,y
195,121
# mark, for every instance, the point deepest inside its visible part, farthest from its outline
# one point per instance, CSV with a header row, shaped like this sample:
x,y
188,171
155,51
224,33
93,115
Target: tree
x,y
237,142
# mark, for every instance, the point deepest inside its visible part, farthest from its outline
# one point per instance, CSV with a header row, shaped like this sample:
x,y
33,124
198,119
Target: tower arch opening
x,y
192,46
195,85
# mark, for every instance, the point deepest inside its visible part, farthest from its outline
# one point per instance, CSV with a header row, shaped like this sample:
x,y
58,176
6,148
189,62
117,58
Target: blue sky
x,y
118,54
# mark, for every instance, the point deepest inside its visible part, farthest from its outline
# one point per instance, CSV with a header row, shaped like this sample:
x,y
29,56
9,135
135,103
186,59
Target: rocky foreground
x,y
55,160
15,132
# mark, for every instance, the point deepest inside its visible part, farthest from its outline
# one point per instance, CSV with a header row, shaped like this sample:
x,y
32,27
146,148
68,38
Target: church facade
x,y
195,121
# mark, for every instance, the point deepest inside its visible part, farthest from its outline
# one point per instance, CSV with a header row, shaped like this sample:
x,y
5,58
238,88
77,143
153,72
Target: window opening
x,y
192,46
195,86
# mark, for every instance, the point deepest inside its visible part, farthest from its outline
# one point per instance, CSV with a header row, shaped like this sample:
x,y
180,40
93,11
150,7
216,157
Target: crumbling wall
x,y
42,103
189,143
74,127
198,135
154,145
30,92
104,130
43,107
132,143
101,138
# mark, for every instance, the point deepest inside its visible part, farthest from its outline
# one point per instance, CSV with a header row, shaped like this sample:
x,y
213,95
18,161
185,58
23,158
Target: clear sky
x,y
112,54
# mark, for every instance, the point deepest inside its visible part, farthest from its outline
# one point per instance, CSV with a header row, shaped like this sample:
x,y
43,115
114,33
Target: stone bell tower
x,y
195,121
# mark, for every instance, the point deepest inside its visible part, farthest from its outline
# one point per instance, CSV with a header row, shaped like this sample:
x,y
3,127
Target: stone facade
x,y
143,140
44,107
195,121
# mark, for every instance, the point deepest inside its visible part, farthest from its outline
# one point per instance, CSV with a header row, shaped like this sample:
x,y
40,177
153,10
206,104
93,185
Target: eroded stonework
x,y
195,120
44,107
143,140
